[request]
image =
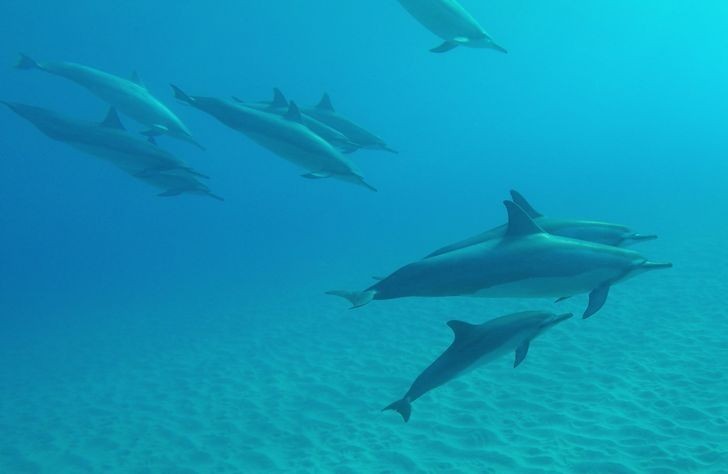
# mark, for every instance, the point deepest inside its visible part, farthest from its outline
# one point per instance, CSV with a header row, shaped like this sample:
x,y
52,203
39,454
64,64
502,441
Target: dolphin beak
x,y
391,150
563,317
640,237
368,186
499,48
655,265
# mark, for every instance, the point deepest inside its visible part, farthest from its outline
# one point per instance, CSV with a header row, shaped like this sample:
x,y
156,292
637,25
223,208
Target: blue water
x,y
141,334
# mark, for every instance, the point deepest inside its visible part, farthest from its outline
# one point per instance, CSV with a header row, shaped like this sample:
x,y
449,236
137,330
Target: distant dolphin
x,y
324,112
279,106
130,97
593,231
286,136
111,142
526,262
451,22
476,345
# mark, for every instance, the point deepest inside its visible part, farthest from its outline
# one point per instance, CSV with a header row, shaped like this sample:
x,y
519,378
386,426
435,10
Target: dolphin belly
x,y
445,18
308,158
547,287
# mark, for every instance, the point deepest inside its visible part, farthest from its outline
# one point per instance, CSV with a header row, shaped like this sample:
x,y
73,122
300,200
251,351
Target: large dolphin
x,y
324,112
286,136
451,22
526,262
128,96
478,344
593,231
280,105
109,141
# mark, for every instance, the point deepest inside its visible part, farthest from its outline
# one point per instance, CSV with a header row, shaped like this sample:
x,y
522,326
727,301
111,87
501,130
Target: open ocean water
x,y
183,335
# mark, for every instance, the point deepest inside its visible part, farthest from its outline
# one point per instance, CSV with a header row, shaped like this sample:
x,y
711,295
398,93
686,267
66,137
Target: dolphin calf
x,y
324,112
593,231
526,262
109,141
129,96
478,344
279,106
451,22
286,136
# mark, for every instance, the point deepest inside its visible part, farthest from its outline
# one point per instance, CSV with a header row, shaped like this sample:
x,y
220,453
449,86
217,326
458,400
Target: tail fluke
x,y
403,407
356,298
26,62
179,94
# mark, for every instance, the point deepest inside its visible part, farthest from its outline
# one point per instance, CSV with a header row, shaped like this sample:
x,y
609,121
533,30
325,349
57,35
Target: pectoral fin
x,y
318,175
597,298
445,47
156,130
521,352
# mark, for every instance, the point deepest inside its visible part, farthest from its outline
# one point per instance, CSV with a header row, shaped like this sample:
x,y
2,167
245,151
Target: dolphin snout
x,y
647,265
640,237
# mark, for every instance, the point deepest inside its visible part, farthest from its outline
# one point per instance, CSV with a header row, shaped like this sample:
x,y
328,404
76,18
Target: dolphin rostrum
x,y
475,345
324,112
593,231
128,96
285,136
451,22
108,140
526,262
280,105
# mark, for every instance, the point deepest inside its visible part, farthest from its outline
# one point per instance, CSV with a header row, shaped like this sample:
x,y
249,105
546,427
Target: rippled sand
x,y
298,384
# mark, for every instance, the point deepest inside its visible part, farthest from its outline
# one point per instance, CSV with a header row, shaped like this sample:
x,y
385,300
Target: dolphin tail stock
x,y
403,407
356,298
180,95
445,47
26,62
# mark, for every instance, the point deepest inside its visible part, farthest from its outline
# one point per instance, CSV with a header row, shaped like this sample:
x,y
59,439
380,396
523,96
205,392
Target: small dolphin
x,y
109,141
286,136
324,112
526,262
593,231
129,96
451,22
475,345
279,106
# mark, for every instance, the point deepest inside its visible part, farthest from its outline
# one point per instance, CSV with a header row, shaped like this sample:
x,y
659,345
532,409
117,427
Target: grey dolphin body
x,y
280,105
324,112
286,136
451,22
129,97
109,141
527,262
475,345
592,231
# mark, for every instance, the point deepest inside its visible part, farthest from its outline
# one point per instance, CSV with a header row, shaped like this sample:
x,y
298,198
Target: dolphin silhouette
x,y
475,345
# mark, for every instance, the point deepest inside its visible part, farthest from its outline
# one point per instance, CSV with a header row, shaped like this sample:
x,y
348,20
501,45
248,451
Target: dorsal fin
x,y
294,113
137,80
112,120
525,205
519,223
461,329
279,100
325,103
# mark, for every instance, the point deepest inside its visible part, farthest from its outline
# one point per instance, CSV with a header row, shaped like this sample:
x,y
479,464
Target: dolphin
x,y
593,231
324,112
279,106
478,344
129,96
451,22
526,262
286,136
109,141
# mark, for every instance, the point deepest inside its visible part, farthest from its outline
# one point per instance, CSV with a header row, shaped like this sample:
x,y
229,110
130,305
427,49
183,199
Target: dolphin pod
x,y
452,23
286,136
129,96
475,345
592,231
109,141
525,262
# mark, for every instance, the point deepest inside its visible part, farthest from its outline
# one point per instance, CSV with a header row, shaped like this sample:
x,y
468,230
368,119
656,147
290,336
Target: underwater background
x,y
181,335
